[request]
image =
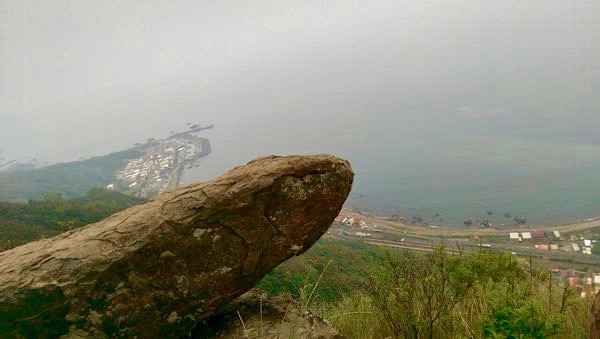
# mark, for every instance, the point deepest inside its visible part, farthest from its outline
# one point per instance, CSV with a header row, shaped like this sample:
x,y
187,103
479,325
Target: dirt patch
x,y
264,317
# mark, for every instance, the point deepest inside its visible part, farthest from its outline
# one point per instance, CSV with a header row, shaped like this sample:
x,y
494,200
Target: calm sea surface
x,y
442,109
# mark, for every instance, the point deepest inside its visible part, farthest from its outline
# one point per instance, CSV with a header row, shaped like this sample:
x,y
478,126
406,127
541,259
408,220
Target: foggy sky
x,y
86,78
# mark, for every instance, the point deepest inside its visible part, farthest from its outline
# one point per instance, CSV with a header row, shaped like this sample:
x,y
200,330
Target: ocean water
x,y
500,112
447,109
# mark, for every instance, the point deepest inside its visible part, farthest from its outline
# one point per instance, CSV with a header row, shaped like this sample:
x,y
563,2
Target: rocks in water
x,y
468,222
489,212
520,221
416,220
157,269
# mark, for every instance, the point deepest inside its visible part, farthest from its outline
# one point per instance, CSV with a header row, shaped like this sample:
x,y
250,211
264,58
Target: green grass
x,y
351,263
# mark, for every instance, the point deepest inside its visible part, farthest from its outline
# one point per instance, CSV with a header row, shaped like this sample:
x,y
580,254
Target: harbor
x,y
162,163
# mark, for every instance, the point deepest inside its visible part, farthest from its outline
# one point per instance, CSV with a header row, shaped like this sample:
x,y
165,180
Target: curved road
x,y
396,227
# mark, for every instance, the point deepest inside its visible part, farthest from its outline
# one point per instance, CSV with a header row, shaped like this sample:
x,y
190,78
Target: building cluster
x,y
362,225
533,236
587,283
151,172
553,241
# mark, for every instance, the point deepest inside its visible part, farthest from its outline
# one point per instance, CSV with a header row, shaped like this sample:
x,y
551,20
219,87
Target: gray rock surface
x,y
158,268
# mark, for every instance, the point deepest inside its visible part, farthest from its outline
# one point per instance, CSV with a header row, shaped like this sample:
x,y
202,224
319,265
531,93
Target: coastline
x,y
175,177
467,232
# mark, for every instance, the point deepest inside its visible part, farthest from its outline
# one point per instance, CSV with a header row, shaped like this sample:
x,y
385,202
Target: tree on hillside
x,y
482,293
414,293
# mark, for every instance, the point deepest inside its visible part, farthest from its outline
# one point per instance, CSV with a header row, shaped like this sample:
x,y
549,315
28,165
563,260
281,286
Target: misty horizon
x,y
437,105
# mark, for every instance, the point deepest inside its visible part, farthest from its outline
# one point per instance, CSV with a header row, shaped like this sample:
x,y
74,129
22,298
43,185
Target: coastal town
x,y
570,253
161,164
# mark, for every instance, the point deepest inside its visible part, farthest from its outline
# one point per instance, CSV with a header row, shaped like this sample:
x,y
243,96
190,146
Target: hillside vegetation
x,y
24,222
368,292
347,262
72,179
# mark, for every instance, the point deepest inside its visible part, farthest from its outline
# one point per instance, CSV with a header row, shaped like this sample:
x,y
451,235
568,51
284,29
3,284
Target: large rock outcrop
x,y
156,269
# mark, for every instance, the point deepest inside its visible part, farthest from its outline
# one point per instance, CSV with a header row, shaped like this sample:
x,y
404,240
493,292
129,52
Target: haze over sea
x,y
450,108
